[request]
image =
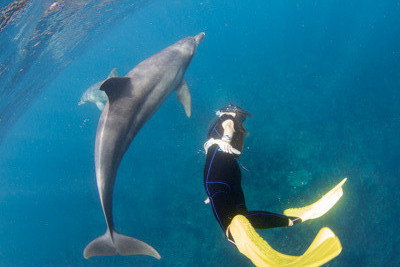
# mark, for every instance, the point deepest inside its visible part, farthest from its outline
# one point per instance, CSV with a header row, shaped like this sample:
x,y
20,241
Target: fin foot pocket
x,y
325,247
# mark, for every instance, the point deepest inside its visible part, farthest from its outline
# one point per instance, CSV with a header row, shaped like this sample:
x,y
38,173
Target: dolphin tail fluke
x,y
101,246
131,246
109,245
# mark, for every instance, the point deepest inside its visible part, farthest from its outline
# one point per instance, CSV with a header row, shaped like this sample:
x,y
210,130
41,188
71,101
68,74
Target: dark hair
x,y
241,114
238,122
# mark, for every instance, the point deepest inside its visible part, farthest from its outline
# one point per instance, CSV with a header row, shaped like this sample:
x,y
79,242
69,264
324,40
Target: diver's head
x,y
240,113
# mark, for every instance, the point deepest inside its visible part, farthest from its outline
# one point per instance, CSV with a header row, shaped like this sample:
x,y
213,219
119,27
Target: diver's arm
x,y
229,129
225,145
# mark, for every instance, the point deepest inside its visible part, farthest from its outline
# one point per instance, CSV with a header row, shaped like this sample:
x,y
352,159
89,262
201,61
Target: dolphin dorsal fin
x,y
183,94
115,87
113,73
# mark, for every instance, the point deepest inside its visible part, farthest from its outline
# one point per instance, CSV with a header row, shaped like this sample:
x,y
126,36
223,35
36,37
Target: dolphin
x,y
94,95
132,100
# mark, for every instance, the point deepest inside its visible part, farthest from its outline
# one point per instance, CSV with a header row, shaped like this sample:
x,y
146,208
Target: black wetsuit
x,y
222,181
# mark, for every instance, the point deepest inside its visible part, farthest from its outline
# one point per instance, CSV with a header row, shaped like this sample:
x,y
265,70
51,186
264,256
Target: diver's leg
x,y
264,219
223,208
261,219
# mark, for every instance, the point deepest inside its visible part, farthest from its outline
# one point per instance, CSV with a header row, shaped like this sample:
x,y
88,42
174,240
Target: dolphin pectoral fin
x,y
184,97
114,87
109,245
100,105
113,73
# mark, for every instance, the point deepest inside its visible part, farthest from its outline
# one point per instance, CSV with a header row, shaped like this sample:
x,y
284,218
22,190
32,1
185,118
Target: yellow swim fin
x,y
325,247
320,207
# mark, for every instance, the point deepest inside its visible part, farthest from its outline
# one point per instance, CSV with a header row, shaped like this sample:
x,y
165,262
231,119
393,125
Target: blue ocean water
x,y
320,77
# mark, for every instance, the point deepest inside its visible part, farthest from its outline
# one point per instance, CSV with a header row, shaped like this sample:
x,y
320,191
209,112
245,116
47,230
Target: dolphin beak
x,y
199,37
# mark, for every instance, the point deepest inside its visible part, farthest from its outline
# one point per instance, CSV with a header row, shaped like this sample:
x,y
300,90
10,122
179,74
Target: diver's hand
x,y
227,147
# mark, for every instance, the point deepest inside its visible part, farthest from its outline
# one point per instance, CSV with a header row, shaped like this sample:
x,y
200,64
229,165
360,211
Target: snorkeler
x,y
222,181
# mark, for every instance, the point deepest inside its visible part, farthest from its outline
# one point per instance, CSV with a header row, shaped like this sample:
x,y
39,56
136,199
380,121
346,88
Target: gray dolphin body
x,y
132,100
